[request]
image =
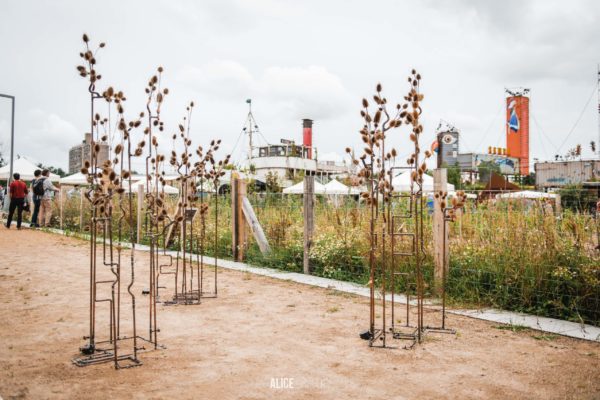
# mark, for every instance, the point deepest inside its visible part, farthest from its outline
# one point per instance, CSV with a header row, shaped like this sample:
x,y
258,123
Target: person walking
x,y
46,202
37,190
18,191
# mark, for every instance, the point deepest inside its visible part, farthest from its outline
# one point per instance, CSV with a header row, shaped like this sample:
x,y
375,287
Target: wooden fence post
x,y
238,231
558,205
60,199
81,194
309,218
140,206
440,235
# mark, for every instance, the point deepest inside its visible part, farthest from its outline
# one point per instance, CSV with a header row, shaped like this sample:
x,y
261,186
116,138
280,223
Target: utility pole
x,y
12,146
250,121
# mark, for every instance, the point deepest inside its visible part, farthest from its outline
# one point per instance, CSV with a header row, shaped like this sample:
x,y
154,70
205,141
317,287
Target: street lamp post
x,y
12,147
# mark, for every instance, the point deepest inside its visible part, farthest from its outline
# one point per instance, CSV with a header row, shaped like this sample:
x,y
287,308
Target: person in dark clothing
x,y
18,191
37,199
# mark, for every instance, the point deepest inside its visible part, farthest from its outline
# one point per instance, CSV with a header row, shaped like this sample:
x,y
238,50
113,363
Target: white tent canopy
x,y
298,188
75,179
527,194
401,183
335,187
207,187
167,188
25,168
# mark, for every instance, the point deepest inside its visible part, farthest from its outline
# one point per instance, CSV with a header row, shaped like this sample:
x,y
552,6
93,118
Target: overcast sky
x,y
304,59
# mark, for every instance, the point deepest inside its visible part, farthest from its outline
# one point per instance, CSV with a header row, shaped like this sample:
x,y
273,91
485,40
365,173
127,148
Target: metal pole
x,y
598,142
12,147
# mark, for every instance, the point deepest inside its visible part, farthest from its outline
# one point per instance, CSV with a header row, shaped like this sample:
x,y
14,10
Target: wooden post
x,y
81,209
255,227
557,205
309,218
60,199
140,205
440,235
238,231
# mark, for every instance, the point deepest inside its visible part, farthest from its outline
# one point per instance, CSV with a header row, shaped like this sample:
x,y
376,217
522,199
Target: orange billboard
x,y
517,130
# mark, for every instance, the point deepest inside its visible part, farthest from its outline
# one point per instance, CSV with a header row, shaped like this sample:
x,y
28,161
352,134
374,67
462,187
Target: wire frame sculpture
x,y
190,279
396,226
108,257
157,219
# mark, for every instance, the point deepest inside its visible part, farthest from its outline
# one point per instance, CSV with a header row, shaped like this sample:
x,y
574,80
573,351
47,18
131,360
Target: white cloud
x,y
296,92
332,156
306,92
47,138
220,78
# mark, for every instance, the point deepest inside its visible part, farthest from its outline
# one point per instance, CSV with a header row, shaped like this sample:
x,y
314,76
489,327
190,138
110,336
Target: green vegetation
x,y
510,256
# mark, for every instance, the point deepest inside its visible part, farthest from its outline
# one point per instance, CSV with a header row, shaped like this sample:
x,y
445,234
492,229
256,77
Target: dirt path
x,y
257,334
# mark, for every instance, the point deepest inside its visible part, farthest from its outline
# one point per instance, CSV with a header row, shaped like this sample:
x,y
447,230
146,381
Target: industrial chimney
x,y
517,127
307,135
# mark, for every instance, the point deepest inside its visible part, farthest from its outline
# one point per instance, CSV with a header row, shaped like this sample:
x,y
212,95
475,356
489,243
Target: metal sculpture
x,y
396,219
106,183
191,282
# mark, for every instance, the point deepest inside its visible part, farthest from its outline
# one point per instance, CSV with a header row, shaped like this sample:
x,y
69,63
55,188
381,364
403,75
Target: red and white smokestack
x,y
307,135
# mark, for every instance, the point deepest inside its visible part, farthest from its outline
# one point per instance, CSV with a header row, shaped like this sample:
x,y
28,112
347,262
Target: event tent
x,y
527,194
401,183
168,189
335,187
75,179
298,188
25,168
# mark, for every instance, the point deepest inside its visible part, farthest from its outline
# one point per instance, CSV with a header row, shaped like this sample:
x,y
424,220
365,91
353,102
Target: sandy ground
x,y
258,335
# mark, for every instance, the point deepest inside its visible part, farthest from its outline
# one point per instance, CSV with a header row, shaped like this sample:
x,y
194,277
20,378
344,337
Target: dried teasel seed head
x,y
85,38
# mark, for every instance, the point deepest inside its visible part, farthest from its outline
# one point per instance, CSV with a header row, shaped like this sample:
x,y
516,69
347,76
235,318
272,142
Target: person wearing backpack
x,y
37,188
18,192
46,202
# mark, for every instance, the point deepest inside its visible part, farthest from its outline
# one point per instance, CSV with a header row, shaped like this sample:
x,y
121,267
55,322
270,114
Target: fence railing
x,y
513,255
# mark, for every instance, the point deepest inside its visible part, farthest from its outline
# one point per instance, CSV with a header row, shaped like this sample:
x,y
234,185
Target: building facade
x,y
82,152
563,173
448,148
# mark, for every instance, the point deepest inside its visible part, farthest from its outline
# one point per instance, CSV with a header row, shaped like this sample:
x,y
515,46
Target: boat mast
x,y
250,122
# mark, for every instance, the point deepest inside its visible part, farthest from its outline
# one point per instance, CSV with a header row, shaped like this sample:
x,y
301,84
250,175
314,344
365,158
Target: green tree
x,y
58,171
454,175
272,182
529,180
